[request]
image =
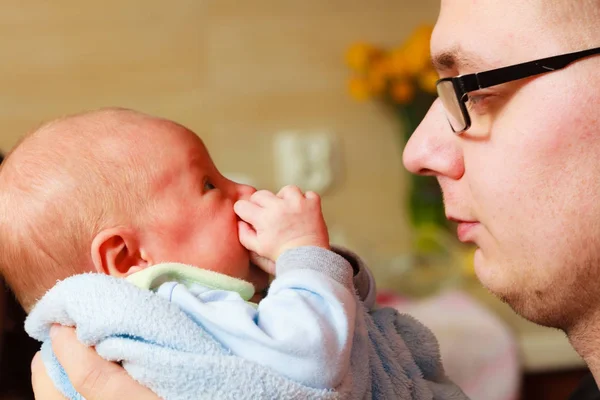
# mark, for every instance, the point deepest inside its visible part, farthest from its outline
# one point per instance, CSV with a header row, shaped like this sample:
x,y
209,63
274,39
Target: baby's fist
x,y
272,224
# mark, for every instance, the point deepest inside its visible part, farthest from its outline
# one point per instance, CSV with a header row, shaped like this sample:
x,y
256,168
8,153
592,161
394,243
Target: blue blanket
x,y
393,356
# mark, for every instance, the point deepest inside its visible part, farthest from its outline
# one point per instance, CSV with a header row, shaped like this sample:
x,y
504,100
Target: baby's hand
x,y
272,224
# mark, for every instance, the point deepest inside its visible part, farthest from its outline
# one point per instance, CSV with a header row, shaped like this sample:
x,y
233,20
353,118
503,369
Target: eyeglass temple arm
x,y
524,70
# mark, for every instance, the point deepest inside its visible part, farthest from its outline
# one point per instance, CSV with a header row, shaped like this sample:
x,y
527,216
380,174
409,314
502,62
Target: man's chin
x,y
493,279
534,306
535,300
511,297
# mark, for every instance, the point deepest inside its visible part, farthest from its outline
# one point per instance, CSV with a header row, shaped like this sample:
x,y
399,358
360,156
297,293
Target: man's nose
x,y
433,149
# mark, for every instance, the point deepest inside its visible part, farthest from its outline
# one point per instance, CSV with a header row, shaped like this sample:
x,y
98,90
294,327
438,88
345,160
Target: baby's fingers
x,y
290,192
264,198
247,236
263,263
310,195
247,211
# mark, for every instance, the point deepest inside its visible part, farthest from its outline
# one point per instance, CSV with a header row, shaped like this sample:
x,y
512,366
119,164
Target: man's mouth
x,y
465,229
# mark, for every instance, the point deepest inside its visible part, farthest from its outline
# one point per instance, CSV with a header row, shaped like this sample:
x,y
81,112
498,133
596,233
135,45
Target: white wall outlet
x,y
305,159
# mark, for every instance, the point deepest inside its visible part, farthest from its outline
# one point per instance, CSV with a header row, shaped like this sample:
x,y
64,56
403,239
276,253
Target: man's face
x,y
530,181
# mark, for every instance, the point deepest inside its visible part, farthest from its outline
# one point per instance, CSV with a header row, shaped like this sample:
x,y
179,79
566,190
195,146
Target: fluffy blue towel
x,y
393,356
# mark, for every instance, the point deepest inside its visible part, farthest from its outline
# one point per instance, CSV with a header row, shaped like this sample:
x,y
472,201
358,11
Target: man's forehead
x,y
457,40
476,35
467,43
454,53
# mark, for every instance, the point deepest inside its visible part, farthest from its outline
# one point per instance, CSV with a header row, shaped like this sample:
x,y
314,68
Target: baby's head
x,y
114,191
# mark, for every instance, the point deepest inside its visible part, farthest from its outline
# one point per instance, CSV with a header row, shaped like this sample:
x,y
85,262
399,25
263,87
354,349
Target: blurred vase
x,y
436,262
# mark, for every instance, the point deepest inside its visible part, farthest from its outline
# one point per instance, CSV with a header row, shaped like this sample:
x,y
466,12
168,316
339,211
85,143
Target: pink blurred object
x,y
387,298
478,350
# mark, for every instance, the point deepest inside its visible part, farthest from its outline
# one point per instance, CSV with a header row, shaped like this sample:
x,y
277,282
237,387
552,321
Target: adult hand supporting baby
x,y
92,376
272,224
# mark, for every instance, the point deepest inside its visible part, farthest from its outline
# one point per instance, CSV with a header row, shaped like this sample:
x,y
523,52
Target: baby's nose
x,y
245,191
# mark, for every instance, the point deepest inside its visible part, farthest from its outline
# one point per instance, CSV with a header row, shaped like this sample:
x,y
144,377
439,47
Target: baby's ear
x,y
116,252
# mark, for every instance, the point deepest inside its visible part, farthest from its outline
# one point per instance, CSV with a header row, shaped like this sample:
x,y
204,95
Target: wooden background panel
x,y
234,72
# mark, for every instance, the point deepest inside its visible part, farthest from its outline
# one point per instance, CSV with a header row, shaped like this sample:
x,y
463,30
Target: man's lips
x,y
465,229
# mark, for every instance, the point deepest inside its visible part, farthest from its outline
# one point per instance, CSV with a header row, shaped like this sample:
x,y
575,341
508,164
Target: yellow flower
x,y
402,91
427,81
416,50
422,34
419,39
359,88
378,75
360,55
397,64
399,72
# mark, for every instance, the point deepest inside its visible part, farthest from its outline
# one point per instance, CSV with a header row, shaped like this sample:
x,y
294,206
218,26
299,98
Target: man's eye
x,y
208,185
477,103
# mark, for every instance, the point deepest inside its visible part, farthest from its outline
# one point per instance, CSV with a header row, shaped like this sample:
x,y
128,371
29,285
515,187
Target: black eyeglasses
x,y
454,91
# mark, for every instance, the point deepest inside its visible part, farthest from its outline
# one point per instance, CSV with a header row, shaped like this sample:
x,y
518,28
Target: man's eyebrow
x,y
455,60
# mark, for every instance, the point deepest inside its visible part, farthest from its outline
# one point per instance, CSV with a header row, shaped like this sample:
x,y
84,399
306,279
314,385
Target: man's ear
x,y
116,252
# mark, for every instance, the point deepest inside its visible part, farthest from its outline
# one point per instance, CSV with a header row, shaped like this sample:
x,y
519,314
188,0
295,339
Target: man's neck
x,y
585,339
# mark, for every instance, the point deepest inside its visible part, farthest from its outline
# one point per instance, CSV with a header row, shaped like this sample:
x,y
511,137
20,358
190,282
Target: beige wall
x,y
236,72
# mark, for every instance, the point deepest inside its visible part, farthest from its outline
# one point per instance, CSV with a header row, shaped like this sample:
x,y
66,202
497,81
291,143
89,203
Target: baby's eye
x,y
208,185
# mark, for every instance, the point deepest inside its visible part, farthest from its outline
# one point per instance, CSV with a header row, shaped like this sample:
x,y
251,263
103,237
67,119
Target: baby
x,y
131,196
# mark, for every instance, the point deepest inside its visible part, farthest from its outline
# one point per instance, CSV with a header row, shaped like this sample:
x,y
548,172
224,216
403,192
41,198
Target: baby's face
x,y
192,219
